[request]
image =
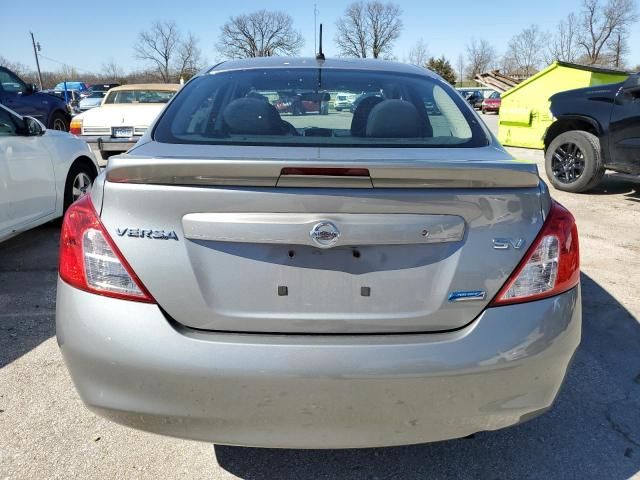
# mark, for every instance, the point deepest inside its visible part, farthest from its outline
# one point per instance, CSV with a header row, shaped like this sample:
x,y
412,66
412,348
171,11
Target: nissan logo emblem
x,y
324,234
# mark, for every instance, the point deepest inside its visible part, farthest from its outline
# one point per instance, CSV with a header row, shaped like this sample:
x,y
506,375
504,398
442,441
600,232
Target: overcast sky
x,y
86,34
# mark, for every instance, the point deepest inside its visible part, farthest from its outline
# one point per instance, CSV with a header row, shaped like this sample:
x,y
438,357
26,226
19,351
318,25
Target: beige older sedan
x,y
123,116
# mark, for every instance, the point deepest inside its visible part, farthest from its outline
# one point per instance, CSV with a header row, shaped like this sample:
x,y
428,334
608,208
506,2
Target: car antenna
x,y
320,55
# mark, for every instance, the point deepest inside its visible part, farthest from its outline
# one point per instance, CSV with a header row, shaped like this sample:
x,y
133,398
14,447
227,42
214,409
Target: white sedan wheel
x,y
81,185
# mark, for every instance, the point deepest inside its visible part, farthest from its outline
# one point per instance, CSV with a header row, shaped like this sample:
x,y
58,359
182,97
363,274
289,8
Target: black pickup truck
x,y
595,128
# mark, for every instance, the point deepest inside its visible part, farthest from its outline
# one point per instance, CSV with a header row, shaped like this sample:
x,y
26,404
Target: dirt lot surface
x,y
593,431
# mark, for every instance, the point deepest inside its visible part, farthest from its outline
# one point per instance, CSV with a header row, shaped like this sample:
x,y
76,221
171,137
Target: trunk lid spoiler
x,y
269,173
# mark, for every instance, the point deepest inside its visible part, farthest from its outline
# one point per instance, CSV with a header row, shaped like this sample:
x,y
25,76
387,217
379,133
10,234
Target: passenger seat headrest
x,y
361,115
395,119
252,116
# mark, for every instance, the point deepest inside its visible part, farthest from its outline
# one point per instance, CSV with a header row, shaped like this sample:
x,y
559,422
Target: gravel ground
x,y
592,432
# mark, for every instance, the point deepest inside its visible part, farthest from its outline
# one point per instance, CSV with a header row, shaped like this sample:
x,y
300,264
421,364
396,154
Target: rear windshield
x,y
139,96
319,107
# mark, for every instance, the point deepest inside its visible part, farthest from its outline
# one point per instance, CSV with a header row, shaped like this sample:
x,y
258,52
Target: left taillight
x,y
90,261
75,127
551,266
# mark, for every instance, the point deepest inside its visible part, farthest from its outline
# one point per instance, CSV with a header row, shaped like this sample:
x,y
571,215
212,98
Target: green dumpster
x,y
524,112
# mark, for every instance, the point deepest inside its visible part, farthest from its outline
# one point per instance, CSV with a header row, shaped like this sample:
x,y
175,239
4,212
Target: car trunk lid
x,y
408,250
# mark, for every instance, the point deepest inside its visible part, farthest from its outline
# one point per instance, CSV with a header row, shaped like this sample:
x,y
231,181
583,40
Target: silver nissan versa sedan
x,y
254,277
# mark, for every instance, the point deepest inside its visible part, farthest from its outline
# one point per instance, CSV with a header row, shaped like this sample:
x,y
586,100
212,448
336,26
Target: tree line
x,y
596,34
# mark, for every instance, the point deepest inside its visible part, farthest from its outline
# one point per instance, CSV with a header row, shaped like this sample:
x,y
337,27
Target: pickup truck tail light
x,y
76,127
90,261
551,265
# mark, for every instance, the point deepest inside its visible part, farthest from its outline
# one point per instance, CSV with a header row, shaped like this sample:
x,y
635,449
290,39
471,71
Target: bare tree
x,y
618,48
189,58
69,72
352,35
159,46
20,68
385,25
564,44
525,51
600,21
368,29
419,53
171,54
480,55
112,71
259,34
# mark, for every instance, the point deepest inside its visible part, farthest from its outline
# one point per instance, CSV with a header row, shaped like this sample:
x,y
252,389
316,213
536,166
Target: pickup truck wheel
x,y
79,181
573,161
59,121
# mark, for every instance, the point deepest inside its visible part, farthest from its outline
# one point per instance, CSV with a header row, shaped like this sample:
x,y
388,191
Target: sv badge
x,y
507,243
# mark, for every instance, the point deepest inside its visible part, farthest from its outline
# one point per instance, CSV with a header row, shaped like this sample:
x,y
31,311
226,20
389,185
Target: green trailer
x,y
524,113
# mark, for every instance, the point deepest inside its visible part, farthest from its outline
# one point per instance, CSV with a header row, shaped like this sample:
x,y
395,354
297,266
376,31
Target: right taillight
x,y
76,127
551,265
90,261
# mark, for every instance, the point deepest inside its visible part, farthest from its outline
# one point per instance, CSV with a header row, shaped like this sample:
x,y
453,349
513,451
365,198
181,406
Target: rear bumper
x,y
132,366
108,145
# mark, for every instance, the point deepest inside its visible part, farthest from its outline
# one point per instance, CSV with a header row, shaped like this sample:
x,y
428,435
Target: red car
x,y
301,103
492,103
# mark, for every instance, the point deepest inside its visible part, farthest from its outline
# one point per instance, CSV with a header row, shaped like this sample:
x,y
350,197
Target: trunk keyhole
x,y
356,254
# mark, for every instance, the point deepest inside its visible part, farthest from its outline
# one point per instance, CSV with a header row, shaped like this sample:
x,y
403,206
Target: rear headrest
x,y
361,114
395,119
252,116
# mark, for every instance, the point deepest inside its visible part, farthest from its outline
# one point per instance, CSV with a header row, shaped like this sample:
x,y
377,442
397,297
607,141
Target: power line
x,y
81,69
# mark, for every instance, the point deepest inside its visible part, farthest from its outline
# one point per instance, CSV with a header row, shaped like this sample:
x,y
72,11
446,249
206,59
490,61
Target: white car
x,y
122,118
41,172
344,101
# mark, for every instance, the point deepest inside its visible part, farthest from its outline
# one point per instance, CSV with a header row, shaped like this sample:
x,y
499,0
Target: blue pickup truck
x,y
23,98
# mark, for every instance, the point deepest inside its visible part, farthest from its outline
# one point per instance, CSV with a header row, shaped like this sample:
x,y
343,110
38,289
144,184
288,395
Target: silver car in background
x,y
93,100
386,277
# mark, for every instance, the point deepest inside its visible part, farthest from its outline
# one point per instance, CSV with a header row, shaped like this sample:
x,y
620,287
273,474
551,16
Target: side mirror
x,y
33,127
632,85
633,90
30,88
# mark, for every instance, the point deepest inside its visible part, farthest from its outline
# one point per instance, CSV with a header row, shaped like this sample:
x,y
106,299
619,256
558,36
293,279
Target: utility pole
x,y
460,68
35,52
